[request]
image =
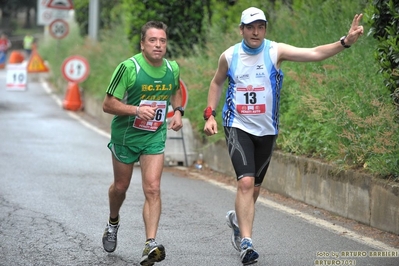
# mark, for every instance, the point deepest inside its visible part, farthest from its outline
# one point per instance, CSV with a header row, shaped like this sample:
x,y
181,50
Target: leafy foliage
x,y
184,19
107,17
9,11
384,18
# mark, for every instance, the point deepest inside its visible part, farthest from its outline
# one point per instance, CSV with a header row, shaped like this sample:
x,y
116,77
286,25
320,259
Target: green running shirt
x,y
137,85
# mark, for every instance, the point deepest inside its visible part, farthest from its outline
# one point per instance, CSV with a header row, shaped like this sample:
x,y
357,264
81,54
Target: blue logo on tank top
x,y
260,75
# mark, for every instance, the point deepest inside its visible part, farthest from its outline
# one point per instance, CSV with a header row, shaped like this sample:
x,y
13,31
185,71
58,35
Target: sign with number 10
x,y
16,77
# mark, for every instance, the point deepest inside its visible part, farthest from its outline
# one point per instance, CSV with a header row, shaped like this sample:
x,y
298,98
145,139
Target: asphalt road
x,y
55,171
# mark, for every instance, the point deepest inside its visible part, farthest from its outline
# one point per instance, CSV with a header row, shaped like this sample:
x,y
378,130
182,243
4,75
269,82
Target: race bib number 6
x,y
159,118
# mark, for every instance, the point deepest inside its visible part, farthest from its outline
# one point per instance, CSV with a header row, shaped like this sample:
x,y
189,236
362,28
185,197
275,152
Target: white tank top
x,y
253,93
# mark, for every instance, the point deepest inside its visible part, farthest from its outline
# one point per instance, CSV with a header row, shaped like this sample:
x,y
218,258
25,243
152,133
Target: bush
x,y
384,19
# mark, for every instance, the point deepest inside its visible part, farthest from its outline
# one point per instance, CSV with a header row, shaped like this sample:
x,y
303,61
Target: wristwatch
x,y
208,112
180,109
343,42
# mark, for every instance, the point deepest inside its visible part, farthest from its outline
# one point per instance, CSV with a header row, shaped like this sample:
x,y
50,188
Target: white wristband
x,y
137,111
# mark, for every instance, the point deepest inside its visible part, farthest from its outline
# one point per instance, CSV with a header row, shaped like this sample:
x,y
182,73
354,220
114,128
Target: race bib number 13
x,y
250,100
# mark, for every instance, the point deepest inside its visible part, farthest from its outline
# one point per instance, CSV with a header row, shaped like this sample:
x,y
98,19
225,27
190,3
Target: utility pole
x,y
94,19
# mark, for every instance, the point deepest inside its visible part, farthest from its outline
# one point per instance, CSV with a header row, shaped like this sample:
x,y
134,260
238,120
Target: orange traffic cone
x,y
72,99
16,57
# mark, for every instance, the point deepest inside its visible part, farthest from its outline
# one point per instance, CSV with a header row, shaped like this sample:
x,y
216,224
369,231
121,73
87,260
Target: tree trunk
x,y
6,21
28,23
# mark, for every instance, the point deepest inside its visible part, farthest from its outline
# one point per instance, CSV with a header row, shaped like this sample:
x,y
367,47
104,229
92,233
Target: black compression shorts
x,y
249,154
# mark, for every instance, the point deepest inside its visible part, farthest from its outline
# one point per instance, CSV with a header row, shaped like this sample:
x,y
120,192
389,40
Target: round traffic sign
x,y
59,28
75,68
184,99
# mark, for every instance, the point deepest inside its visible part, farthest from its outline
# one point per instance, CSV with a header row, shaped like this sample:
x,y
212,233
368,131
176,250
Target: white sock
x,y
248,238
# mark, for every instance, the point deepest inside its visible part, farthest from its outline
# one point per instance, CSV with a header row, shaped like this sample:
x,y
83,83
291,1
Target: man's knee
x,y
152,189
120,187
246,183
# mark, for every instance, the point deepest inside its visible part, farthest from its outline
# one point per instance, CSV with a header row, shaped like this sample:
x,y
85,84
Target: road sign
x,y
184,93
36,63
60,4
16,77
46,15
59,28
75,69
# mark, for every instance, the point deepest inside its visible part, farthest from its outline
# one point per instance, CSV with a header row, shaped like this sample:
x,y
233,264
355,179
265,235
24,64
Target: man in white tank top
x,y
251,110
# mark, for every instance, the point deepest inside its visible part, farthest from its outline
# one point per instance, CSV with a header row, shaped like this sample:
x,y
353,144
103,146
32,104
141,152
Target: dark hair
x,y
153,24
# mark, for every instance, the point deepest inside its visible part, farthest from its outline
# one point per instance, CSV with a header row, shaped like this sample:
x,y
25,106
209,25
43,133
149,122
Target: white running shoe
x,y
235,236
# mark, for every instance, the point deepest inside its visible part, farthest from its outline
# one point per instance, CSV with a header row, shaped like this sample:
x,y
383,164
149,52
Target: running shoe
x,y
152,252
235,236
248,254
110,237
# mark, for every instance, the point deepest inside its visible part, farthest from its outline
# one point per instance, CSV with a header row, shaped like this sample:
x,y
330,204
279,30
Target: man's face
x,y
254,33
154,45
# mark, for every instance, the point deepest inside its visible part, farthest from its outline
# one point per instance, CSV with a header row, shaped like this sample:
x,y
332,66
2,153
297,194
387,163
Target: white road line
x,y
71,113
313,220
88,125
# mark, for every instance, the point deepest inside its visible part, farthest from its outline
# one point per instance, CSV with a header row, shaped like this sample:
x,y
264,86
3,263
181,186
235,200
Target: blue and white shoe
x,y
235,236
248,254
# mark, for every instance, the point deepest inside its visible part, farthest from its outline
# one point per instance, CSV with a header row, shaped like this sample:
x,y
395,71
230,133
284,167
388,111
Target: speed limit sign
x,y
75,68
59,28
16,77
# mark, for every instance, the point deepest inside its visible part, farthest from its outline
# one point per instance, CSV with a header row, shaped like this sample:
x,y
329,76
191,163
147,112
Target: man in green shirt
x,y
139,93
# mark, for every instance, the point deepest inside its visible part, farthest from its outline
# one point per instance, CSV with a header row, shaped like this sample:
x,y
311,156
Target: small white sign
x,y
46,15
17,76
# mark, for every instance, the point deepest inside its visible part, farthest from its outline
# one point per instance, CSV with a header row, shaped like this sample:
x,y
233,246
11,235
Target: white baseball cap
x,y
252,14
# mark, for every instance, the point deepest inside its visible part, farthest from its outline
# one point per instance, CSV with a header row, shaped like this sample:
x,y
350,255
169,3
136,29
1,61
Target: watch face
x,y
180,109
343,42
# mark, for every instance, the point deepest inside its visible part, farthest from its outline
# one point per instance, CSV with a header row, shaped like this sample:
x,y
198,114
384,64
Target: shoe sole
x,y
233,240
110,250
253,258
155,255
248,263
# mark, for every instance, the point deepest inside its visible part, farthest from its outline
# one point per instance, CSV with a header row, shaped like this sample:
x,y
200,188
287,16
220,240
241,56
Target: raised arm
x,y
291,53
